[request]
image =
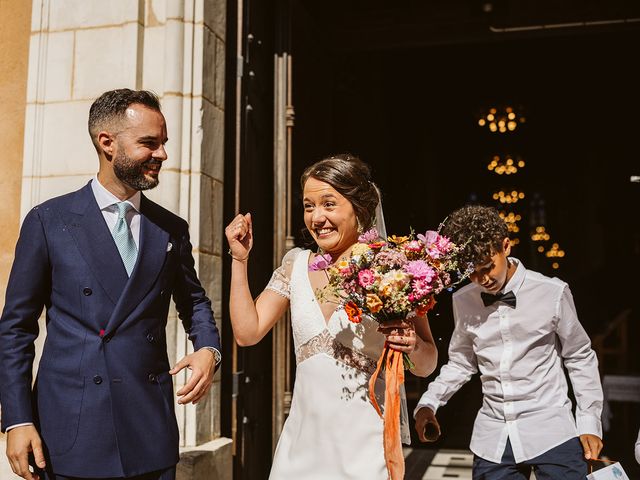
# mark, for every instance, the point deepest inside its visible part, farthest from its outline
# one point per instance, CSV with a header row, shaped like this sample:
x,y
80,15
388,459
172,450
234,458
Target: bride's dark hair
x,y
351,177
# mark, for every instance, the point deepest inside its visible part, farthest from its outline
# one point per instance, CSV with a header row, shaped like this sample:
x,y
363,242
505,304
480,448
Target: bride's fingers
x,y
403,343
239,227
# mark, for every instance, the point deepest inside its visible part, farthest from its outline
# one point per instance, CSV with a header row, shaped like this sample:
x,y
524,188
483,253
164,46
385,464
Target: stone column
x,y
15,25
176,48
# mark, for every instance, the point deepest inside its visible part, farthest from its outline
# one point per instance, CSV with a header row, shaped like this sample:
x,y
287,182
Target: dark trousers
x,y
566,462
168,474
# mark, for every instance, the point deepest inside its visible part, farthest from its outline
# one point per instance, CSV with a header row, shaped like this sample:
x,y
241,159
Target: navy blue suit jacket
x,y
103,399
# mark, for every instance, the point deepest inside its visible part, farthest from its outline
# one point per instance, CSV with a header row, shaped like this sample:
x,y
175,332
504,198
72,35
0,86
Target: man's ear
x,y
106,142
506,246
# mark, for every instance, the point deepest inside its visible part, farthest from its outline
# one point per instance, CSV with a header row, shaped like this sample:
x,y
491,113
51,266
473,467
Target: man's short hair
x,y
479,230
111,106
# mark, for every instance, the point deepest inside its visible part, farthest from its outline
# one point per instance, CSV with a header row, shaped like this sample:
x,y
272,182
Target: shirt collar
x,y
515,282
106,199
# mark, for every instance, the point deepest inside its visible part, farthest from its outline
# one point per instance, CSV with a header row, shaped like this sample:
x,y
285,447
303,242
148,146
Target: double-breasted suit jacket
x,y
103,399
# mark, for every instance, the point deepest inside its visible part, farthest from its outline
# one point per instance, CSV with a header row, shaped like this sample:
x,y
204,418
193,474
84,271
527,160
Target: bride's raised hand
x,y
239,235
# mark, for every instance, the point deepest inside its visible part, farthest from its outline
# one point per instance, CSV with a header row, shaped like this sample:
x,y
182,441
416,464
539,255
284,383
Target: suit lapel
x,y
151,258
93,238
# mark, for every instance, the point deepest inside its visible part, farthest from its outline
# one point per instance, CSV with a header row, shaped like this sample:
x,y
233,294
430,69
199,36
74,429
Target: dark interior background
x,y
401,84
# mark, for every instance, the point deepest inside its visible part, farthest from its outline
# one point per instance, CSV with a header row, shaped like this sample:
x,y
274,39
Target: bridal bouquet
x,y
390,280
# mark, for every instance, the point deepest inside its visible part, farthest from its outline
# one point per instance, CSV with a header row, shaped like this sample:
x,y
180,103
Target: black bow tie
x,y
508,298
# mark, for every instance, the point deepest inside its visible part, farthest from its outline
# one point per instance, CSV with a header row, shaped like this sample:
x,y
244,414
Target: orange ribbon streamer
x,y
394,377
601,460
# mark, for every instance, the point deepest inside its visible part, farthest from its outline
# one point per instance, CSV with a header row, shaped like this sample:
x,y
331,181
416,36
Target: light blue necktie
x,y
124,239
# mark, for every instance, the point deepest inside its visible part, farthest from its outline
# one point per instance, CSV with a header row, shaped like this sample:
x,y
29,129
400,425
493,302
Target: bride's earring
x,y
360,229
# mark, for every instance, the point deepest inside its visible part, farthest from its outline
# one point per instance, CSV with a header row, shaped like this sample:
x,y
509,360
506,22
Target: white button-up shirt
x,y
520,353
107,204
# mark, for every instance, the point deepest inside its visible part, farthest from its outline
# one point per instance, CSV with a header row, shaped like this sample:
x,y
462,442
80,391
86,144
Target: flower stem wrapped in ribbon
x,y
389,280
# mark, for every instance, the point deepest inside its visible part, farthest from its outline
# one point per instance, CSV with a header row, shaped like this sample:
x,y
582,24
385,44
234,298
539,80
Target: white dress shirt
x,y
107,203
520,353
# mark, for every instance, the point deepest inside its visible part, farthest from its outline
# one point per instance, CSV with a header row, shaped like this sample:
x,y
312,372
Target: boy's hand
x,y
427,426
591,444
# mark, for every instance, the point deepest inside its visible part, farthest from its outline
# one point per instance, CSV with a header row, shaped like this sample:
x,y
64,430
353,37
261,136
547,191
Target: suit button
x,y
152,378
87,291
97,379
106,338
150,337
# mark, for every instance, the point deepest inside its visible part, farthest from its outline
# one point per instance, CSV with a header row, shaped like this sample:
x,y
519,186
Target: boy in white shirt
x,y
518,328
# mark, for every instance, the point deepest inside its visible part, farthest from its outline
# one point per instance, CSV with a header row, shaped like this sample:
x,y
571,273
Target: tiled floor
x,y
423,464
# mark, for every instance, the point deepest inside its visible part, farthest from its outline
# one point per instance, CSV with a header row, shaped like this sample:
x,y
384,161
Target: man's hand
x,y
426,420
592,445
202,365
21,441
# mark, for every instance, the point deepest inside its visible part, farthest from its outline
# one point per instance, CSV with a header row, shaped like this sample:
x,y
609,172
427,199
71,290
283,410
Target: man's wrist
x,y
11,427
216,354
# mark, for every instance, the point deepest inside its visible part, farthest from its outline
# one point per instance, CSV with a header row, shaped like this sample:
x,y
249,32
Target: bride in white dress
x,y
332,432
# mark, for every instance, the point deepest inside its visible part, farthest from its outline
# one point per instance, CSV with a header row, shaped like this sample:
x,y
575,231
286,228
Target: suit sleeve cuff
x,y
11,427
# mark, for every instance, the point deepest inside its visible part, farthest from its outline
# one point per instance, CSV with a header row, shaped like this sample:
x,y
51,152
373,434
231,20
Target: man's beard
x,y
130,172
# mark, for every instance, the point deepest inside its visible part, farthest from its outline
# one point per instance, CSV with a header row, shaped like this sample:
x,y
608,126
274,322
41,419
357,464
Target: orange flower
x,y
397,240
422,311
374,304
353,312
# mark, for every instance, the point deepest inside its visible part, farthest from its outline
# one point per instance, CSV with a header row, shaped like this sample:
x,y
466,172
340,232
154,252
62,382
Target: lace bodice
x,y
291,280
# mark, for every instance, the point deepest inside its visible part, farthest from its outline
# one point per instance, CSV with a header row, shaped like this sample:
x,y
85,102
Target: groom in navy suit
x,y
104,262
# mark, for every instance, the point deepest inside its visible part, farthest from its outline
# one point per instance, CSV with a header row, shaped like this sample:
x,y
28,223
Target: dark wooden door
x,y
247,376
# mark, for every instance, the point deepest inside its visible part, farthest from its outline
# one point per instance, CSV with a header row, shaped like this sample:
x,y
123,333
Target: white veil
x,y
404,411
380,225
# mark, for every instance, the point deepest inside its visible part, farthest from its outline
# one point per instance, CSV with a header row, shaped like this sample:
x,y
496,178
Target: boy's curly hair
x,y
478,229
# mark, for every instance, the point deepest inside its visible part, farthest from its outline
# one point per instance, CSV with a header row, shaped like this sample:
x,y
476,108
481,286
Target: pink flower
x,y
390,258
366,278
413,246
444,244
421,288
320,262
350,286
429,237
369,236
420,269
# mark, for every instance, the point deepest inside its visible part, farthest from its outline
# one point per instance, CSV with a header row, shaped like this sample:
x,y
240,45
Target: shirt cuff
x,y
589,424
216,353
425,402
18,425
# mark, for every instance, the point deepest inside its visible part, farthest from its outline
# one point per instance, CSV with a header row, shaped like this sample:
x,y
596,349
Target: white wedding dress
x,y
332,432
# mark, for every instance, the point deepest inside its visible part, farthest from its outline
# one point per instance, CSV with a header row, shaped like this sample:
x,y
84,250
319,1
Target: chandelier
x,y
554,253
540,235
508,197
501,120
512,219
506,165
